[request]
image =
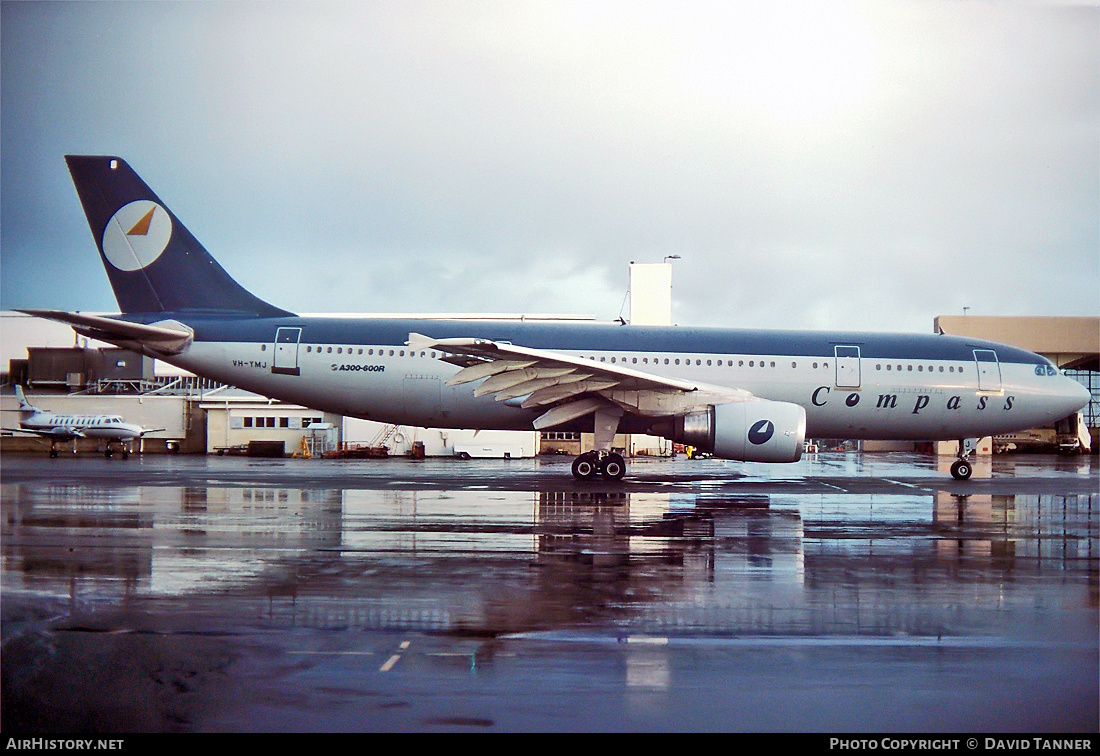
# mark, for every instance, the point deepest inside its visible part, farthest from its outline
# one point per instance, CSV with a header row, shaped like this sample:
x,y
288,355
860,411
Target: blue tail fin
x,y
154,263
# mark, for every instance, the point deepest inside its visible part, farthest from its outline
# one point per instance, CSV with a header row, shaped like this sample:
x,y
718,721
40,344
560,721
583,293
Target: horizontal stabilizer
x,y
167,337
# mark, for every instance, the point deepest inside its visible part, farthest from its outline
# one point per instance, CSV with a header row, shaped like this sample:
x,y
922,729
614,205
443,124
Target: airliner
x,y
751,395
61,428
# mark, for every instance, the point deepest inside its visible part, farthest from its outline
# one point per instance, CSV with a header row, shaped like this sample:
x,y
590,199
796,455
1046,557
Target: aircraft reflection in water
x,y
497,562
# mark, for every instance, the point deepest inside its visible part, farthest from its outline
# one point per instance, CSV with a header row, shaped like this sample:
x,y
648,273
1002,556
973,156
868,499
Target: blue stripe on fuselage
x,y
601,337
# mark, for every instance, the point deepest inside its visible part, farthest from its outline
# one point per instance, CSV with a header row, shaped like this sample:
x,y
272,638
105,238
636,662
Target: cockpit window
x,y
1046,370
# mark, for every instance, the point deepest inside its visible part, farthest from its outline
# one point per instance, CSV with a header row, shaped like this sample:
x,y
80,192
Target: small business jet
x,y
749,395
61,428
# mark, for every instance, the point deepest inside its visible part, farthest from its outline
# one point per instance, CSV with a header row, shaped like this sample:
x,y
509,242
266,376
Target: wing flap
x,y
560,392
498,351
567,412
546,378
486,370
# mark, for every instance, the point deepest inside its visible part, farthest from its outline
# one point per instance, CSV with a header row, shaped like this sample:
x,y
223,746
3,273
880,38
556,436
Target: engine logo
x,y
136,235
761,431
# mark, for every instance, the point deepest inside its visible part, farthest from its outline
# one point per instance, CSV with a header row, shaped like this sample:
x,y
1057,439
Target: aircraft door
x,y
989,370
286,351
847,367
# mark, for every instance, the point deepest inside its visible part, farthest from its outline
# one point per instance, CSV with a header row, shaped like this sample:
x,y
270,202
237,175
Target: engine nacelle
x,y
754,431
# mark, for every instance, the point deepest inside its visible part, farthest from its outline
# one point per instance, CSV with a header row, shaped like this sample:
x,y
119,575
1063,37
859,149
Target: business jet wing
x,y
166,337
569,387
58,433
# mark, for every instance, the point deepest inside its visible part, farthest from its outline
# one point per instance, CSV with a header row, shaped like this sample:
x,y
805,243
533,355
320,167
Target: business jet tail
x,y
154,263
24,405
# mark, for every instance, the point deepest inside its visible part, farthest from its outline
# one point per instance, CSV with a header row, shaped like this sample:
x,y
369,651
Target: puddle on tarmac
x,y
922,562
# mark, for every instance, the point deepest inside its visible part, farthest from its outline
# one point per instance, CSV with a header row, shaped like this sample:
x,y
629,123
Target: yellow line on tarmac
x,y
394,659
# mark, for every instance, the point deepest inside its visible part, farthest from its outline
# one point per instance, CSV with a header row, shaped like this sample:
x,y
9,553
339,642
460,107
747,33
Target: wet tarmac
x,y
844,593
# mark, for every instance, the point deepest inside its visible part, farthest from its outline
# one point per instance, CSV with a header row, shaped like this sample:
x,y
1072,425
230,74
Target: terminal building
x,y
67,374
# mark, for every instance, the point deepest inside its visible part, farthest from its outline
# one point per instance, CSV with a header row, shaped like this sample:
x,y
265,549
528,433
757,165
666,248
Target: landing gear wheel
x,y
585,467
108,453
125,454
614,467
53,453
961,470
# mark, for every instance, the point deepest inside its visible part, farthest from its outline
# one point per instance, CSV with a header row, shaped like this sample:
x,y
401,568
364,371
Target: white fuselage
x,y
110,427
858,397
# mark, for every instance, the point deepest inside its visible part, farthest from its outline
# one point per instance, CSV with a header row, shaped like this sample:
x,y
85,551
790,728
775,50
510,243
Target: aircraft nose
x,y
1076,395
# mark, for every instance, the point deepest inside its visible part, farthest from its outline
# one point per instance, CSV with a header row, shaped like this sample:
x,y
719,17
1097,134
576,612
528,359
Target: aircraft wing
x,y
566,386
59,433
166,337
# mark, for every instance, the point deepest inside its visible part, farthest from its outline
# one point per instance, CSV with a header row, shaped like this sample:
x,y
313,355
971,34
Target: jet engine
x,y
754,431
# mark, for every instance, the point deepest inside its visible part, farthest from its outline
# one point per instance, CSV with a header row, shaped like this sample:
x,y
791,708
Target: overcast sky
x,y
814,165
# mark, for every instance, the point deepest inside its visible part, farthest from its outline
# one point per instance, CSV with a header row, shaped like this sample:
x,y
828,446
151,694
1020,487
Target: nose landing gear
x,y
962,469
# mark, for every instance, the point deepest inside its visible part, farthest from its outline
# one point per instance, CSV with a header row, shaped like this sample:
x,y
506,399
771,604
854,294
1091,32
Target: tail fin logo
x,y
137,235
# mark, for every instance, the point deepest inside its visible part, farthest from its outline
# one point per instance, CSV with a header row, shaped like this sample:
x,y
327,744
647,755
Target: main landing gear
x,y
962,469
593,464
601,461
108,452
53,448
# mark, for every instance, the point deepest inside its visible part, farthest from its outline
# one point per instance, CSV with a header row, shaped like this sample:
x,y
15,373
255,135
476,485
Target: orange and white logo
x,y
136,235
